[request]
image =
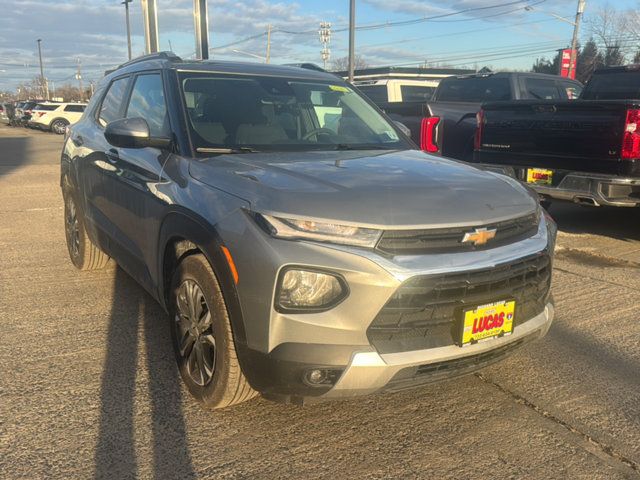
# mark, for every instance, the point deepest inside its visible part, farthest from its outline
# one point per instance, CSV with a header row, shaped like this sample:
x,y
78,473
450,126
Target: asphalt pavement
x,y
89,389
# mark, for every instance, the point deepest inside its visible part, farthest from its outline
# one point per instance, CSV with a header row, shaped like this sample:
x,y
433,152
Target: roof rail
x,y
170,56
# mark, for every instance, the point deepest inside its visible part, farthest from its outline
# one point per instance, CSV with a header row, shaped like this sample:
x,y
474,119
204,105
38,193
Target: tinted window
x,y
416,93
74,108
613,86
110,109
474,89
541,89
47,108
147,101
376,93
570,89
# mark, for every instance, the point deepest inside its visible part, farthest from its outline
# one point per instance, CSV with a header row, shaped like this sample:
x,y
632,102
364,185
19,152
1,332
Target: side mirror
x,y
403,128
133,133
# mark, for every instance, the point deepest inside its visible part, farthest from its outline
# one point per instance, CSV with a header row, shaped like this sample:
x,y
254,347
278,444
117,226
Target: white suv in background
x,y
56,116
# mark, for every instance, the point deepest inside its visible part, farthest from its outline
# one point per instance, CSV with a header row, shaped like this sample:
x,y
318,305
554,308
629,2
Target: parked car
x,y
55,117
445,125
586,151
302,245
25,112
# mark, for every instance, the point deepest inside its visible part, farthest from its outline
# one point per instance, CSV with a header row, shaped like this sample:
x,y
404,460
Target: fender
x,y
188,226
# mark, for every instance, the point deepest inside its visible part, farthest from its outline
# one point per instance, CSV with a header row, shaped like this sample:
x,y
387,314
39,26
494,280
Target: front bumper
x,y
580,187
280,347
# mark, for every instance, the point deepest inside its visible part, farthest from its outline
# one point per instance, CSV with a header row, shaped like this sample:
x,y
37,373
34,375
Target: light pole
x,y
126,12
43,81
576,30
352,37
574,40
325,38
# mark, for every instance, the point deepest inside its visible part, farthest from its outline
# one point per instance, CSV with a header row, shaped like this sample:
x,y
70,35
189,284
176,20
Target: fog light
x,y
316,377
309,290
321,377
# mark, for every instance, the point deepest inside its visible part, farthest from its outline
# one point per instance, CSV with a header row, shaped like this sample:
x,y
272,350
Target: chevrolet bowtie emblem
x,y
479,236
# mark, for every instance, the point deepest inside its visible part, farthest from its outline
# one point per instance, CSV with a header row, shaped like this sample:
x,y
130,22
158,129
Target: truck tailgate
x,y
572,135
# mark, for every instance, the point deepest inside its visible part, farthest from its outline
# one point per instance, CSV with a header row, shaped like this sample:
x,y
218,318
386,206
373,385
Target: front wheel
x,y
202,336
59,126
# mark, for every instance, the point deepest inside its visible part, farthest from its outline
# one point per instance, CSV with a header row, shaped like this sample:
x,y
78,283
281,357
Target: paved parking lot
x,y
88,386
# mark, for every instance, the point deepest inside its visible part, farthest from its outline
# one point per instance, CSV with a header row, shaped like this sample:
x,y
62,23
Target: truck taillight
x,y
477,138
631,136
428,141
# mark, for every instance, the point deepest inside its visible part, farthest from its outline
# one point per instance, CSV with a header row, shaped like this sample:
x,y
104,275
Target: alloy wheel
x,y
73,227
194,328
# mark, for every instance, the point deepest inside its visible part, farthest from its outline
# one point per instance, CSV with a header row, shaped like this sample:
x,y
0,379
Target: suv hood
x,y
399,189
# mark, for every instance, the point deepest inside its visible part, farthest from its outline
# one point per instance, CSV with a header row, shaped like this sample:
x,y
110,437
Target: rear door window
x,y
46,108
416,93
112,103
474,89
541,89
570,89
613,86
74,108
147,101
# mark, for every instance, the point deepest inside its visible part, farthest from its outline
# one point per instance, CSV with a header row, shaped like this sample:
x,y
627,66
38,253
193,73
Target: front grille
x,y
445,240
415,376
425,310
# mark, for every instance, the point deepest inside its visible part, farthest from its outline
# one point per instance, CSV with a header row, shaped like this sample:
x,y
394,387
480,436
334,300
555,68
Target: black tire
x,y
58,126
202,337
83,253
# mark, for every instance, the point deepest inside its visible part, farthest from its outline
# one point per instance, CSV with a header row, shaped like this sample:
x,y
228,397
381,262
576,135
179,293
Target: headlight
x,y
309,290
321,232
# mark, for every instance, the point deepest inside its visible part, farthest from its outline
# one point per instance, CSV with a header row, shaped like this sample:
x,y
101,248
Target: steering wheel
x,y
316,131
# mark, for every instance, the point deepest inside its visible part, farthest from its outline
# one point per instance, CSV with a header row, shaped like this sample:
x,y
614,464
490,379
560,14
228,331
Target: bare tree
x,y
342,64
615,30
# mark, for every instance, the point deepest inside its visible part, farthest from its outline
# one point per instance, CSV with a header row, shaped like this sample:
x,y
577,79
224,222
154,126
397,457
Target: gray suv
x,y
302,245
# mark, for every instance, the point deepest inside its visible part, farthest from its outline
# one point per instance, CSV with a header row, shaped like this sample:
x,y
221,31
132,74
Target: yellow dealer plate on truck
x,y
487,321
540,176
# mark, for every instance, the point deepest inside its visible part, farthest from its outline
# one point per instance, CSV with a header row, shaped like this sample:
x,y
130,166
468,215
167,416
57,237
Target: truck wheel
x,y
202,336
83,253
59,126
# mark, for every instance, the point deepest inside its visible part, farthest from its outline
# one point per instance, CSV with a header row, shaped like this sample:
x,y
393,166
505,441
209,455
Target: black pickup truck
x,y
446,124
586,151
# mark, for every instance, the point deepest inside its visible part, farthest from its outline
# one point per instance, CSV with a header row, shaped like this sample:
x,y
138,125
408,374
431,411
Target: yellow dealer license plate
x,y
488,321
540,176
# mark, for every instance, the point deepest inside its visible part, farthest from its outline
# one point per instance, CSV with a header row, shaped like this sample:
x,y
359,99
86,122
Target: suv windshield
x,y
272,113
612,86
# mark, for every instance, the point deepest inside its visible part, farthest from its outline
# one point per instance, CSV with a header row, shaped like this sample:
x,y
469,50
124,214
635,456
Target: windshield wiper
x,y
226,150
344,146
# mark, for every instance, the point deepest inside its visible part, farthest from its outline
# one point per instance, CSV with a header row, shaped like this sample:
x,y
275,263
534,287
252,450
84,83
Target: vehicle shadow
x,y
13,153
617,223
136,315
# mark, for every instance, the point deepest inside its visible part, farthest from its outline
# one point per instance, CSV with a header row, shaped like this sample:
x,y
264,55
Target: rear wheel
x,y
83,253
202,336
59,126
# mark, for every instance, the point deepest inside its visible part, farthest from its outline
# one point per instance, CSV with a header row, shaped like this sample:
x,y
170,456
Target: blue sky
x,y
505,37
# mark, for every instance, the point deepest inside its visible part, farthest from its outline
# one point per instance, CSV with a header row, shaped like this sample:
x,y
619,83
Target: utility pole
x,y
325,38
352,37
574,40
126,12
268,58
79,78
43,81
150,16
201,23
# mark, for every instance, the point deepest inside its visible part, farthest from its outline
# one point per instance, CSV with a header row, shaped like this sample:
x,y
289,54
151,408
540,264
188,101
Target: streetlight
x,y
126,10
352,37
576,29
43,81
